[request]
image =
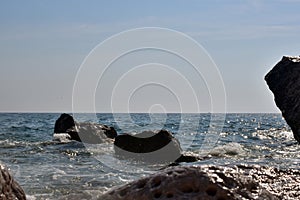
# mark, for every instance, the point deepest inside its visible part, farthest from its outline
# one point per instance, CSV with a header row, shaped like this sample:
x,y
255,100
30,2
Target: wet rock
x,y
151,146
84,132
212,183
63,123
147,141
189,157
284,81
9,188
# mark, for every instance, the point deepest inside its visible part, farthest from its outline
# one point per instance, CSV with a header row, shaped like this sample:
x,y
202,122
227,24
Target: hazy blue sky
x,y
43,43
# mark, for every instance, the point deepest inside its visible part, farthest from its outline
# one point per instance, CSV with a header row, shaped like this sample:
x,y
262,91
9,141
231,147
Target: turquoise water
x,y
49,169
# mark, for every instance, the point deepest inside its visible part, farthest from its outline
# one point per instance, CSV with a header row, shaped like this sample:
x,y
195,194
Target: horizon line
x,y
135,112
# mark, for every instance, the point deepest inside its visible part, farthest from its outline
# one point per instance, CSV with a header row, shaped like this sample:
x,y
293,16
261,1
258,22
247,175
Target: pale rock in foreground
x,y
212,183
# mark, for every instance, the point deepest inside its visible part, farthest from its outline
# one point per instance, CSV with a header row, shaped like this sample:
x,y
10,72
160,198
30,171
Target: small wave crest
x,y
230,149
61,137
10,144
23,128
274,134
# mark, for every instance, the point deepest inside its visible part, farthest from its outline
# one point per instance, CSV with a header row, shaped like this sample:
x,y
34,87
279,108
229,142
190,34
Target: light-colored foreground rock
x,y
284,81
212,182
9,188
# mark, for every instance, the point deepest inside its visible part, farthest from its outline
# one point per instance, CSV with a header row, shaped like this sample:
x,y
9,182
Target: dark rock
x,y
146,142
188,157
152,147
212,183
284,81
84,132
63,123
9,188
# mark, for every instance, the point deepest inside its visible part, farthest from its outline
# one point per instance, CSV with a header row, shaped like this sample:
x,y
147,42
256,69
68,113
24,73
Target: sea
x,y
51,168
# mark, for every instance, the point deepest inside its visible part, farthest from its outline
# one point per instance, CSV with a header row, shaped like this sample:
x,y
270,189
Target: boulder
x,y
64,123
212,183
9,188
151,146
284,81
91,133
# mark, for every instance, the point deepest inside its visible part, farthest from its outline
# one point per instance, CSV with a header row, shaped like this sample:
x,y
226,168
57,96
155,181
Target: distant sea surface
x,y
49,169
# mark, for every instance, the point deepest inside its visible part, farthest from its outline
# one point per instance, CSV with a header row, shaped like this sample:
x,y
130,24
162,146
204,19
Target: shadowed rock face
x,y
151,146
146,142
63,123
284,81
84,132
212,183
9,188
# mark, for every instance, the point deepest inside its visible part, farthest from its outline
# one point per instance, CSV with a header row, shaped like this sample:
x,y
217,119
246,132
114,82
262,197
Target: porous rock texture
x,y
84,132
151,146
284,81
9,188
212,183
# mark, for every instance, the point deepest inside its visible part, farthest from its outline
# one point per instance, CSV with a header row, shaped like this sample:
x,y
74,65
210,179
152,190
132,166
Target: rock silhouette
x,y
151,146
284,81
148,146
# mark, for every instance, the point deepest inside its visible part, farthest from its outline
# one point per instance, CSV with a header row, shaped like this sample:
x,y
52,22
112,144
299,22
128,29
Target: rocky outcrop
x,y
64,123
284,81
9,188
212,183
84,132
151,146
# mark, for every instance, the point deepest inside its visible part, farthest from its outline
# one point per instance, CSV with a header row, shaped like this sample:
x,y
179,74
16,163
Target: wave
x,y
61,137
23,128
8,143
230,149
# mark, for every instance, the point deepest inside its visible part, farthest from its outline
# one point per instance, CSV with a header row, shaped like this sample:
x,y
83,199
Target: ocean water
x,y
51,169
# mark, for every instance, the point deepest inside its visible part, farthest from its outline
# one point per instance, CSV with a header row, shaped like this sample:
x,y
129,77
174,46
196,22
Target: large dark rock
x,y
151,146
9,188
84,132
63,123
212,183
146,142
284,81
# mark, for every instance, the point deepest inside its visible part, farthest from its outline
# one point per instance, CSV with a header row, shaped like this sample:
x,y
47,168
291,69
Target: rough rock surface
x,y
84,132
284,81
63,123
212,183
9,188
151,146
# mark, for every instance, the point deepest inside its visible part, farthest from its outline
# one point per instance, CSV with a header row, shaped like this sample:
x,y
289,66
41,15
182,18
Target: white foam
x,y
30,197
61,137
227,149
287,134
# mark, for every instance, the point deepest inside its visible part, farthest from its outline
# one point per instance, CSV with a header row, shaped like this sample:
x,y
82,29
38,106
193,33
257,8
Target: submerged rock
x,y
212,183
284,81
151,146
9,188
84,132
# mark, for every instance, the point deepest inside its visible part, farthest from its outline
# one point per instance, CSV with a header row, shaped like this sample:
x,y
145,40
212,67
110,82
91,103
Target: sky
x,y
43,44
